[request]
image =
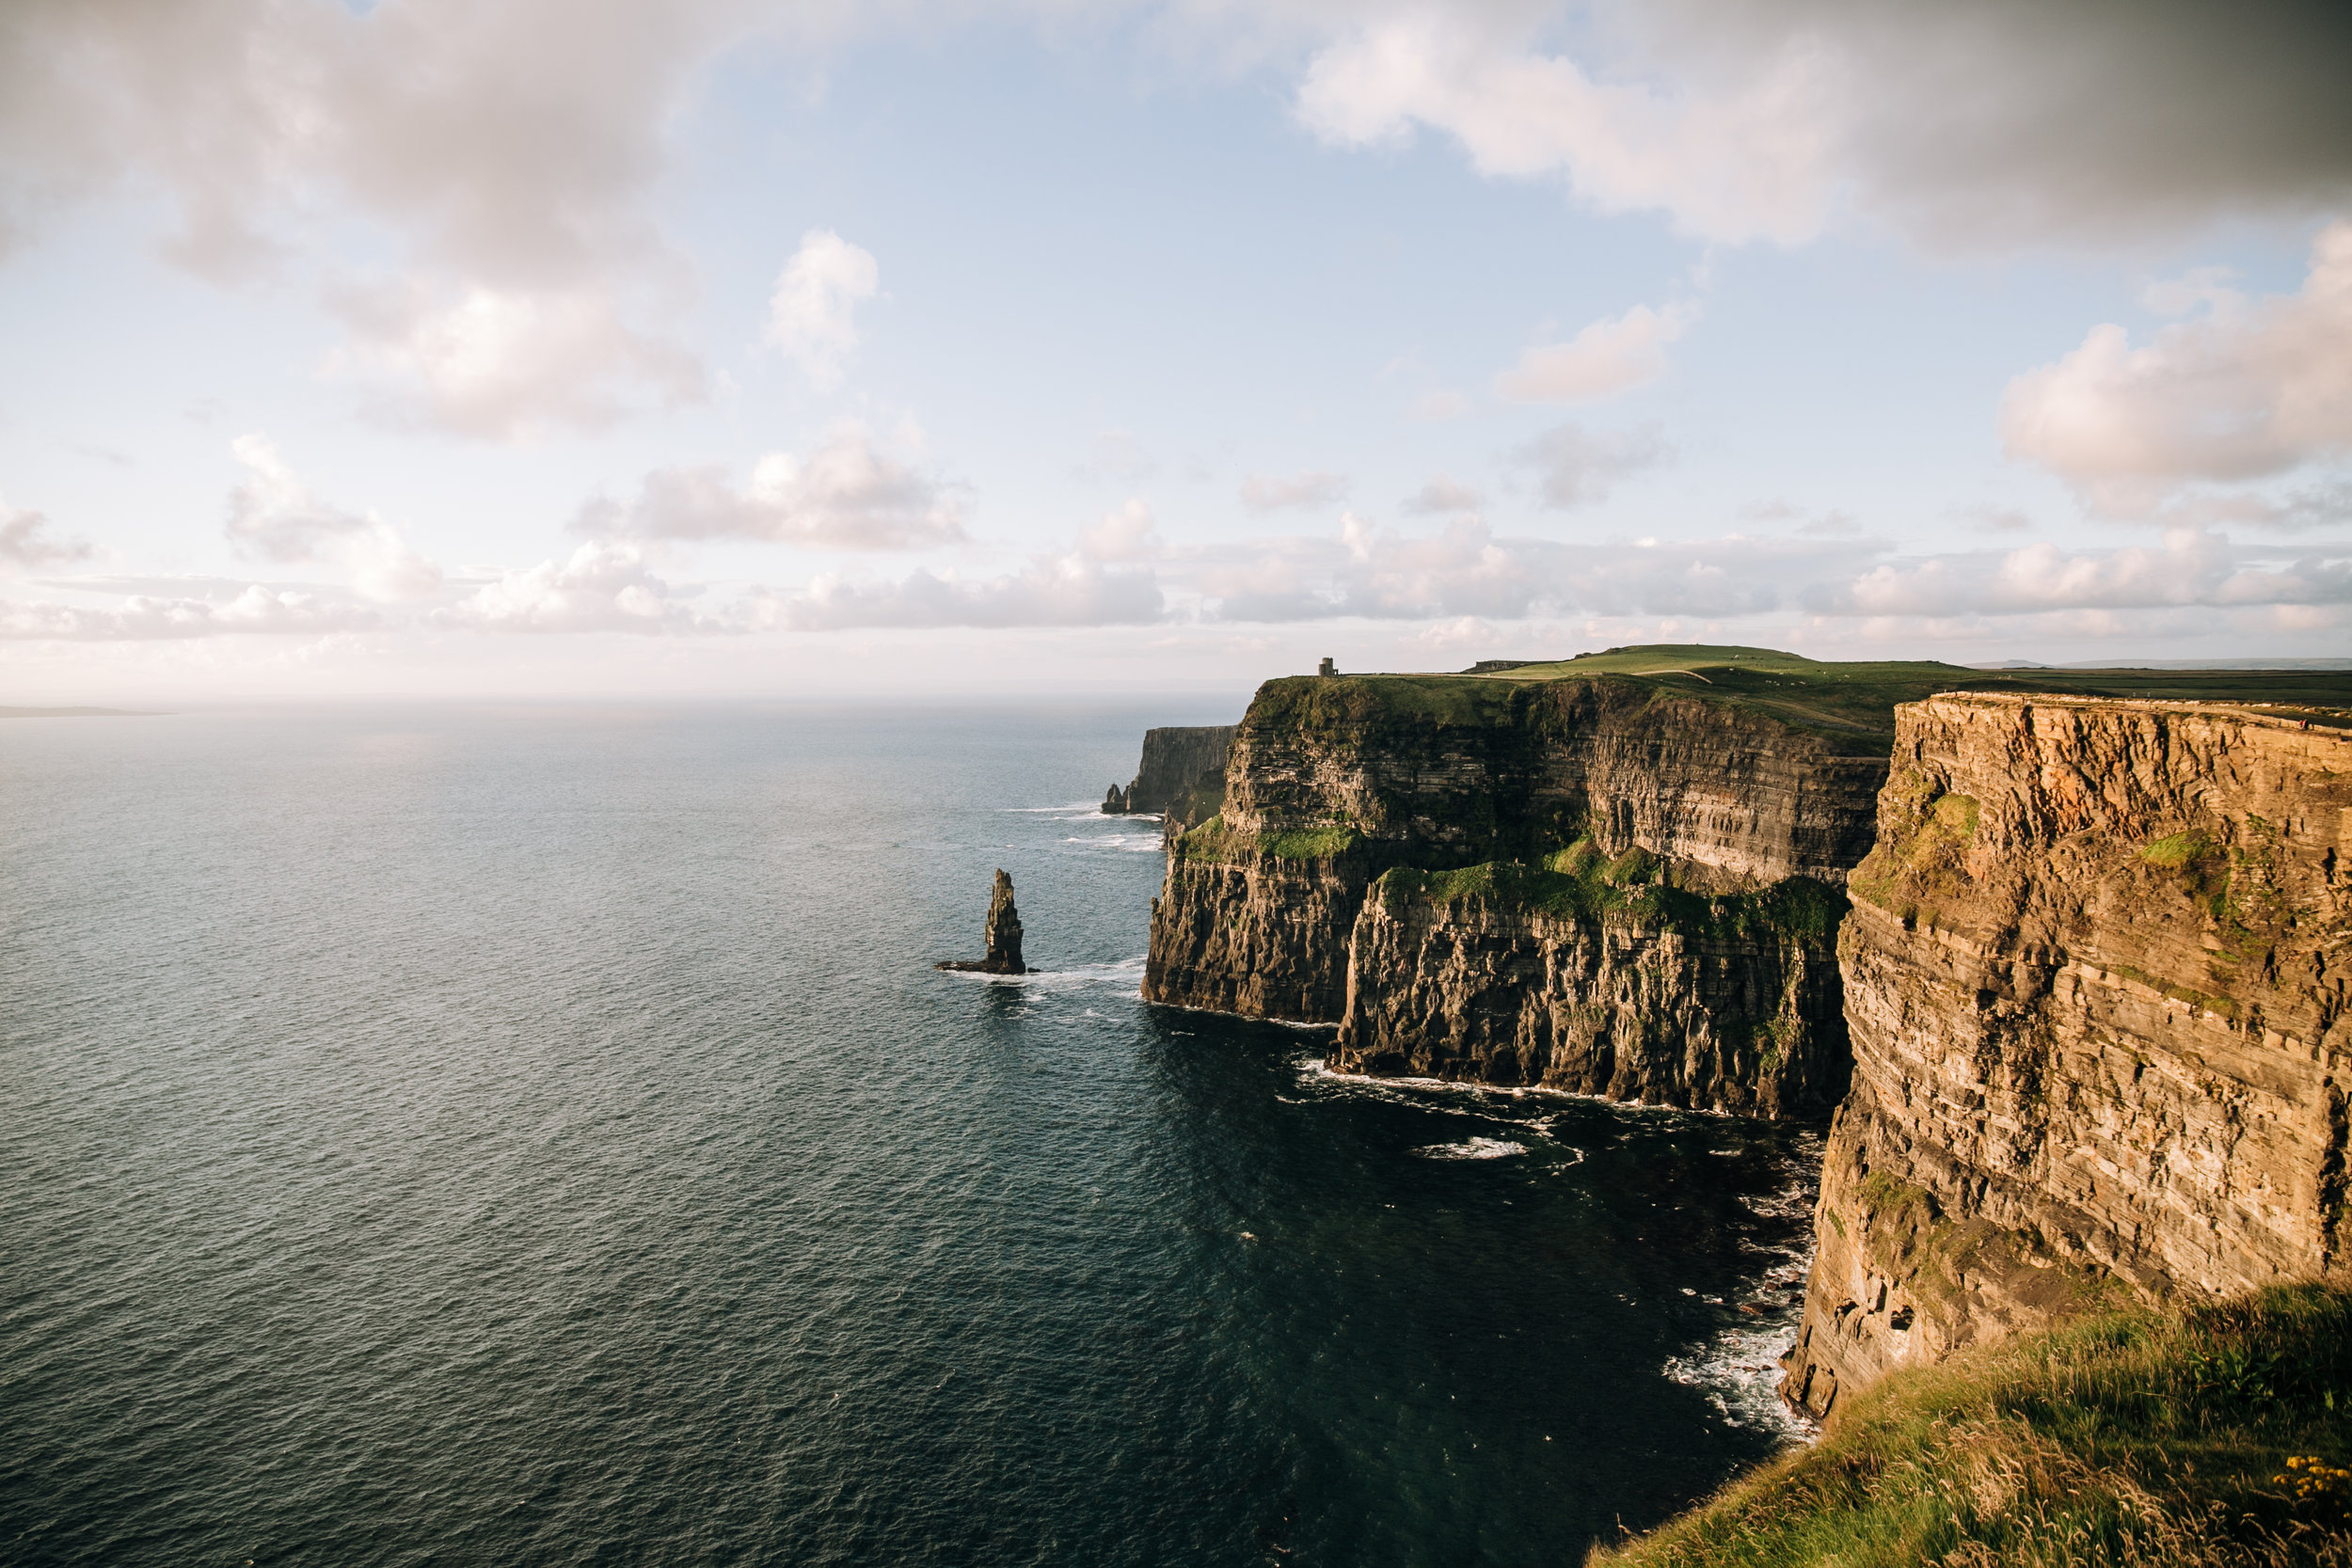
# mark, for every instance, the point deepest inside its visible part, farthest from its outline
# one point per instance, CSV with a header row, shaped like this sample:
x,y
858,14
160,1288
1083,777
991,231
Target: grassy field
x,y
1854,701
2218,1435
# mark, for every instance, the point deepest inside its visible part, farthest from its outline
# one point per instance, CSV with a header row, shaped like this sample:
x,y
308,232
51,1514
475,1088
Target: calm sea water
x,y
537,1137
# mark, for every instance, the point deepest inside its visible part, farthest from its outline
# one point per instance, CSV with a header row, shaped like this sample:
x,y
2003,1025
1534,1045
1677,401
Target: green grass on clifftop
x,y
2221,1435
1853,702
1578,883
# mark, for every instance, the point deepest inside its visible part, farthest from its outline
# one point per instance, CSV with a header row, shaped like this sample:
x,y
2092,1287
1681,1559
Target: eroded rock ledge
x,y
2095,985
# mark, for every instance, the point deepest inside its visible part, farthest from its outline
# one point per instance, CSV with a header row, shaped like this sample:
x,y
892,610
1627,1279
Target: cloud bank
x,y
141,618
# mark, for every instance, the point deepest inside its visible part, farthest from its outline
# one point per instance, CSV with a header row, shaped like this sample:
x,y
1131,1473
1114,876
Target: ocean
x,y
536,1135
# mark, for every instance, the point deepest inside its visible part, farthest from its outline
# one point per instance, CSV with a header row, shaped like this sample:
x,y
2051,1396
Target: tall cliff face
x,y
1567,969
1533,976
2095,984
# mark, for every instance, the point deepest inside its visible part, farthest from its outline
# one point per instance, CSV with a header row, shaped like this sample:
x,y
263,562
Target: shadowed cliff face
x,y
1667,980
2095,983
1619,1005
1176,762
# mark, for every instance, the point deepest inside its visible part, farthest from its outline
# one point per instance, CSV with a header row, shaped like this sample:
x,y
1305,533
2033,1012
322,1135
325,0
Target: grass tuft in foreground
x,y
2220,1436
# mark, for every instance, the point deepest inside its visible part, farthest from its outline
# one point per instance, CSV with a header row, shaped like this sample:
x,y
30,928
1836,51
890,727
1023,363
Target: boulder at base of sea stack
x,y
1003,936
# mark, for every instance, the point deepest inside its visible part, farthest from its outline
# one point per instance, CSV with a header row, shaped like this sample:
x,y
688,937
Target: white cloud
x,y
258,611
602,587
1126,534
848,493
1463,631
1606,358
1064,591
1277,492
812,315
1443,495
1742,162
24,540
501,364
1575,466
2246,392
272,514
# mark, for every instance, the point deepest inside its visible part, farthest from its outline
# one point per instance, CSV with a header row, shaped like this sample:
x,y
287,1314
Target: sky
x,y
808,348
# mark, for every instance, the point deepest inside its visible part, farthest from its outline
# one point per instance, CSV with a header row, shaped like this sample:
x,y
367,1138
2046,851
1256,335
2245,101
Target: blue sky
x,y
788,349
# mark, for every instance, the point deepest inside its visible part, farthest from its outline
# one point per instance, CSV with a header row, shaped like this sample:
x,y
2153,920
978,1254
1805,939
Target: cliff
x,y
1635,991
1181,773
2094,982
1577,885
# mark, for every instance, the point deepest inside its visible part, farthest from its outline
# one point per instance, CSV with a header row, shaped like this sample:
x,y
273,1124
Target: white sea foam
x,y
1314,1069
1738,1365
1120,974
1148,843
1472,1149
1083,810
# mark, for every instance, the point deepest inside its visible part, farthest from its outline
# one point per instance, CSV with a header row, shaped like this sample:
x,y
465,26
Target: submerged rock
x,y
1003,936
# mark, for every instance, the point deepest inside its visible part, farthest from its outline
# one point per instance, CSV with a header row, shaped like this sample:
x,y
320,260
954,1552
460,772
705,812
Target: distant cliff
x,y
2095,978
1182,773
1591,883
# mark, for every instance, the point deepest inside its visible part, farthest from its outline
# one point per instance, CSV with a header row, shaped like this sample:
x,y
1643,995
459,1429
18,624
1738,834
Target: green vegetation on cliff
x,y
1580,885
2220,1436
1850,702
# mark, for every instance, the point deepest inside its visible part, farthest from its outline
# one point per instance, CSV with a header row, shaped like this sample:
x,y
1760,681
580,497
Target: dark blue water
x,y
536,1137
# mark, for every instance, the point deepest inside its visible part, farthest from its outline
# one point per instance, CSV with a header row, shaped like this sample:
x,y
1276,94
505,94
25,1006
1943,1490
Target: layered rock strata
x,y
2095,986
1663,977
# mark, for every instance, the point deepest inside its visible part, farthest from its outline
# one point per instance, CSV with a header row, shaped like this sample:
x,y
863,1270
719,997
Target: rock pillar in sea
x,y
1114,802
1003,931
1003,936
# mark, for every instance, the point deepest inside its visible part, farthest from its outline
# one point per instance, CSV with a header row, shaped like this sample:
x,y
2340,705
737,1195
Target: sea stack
x,y
1003,936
